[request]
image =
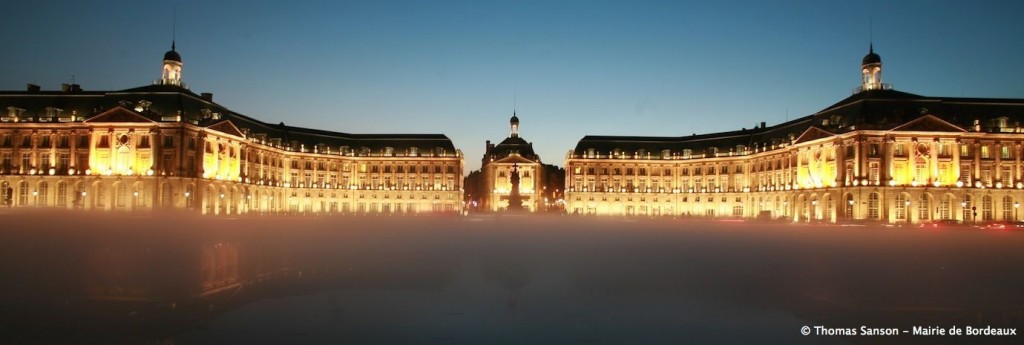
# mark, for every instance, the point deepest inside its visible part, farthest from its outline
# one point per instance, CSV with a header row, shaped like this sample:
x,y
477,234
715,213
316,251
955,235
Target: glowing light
x,y
913,183
71,171
149,172
135,193
109,172
892,183
32,171
959,183
977,184
52,171
999,184
937,183
187,194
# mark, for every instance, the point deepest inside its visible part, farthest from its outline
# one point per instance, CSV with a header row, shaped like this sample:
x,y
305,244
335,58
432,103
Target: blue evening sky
x,y
664,68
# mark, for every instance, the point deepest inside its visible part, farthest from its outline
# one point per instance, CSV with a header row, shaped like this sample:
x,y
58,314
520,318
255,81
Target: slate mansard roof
x,y
867,110
512,145
166,102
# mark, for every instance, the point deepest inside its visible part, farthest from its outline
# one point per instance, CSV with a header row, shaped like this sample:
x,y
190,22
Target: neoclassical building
x,y
880,154
513,153
163,146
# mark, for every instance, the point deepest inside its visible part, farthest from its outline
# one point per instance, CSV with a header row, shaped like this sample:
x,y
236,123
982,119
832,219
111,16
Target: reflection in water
x,y
111,278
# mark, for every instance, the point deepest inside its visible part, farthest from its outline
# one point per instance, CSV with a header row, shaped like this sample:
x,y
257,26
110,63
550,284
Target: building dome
x,y
514,120
871,57
172,55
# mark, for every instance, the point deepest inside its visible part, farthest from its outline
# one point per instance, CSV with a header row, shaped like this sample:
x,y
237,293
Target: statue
x,y
515,200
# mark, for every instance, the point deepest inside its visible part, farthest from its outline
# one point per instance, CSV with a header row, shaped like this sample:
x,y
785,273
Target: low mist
x,y
497,279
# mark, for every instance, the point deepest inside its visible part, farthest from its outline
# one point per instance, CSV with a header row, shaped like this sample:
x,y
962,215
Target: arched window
x,y
986,207
873,211
62,194
967,205
923,211
944,207
1007,208
23,193
901,206
44,189
121,195
848,205
166,196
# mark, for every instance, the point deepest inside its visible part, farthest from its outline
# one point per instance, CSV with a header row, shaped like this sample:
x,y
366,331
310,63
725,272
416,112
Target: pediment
x,y
514,158
813,133
928,123
226,127
119,114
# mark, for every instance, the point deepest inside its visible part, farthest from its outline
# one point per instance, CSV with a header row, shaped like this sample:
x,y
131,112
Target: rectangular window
x,y
965,174
1005,152
985,152
168,162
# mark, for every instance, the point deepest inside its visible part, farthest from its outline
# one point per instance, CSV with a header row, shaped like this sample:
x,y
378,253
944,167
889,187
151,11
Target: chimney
x,y
762,124
489,146
33,88
207,96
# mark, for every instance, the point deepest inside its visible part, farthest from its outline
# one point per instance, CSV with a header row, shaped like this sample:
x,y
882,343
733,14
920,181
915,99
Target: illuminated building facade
x,y
163,146
496,171
879,154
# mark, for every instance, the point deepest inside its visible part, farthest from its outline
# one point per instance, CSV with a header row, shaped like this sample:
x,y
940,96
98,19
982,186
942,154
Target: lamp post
x,y
1016,207
849,214
814,209
963,207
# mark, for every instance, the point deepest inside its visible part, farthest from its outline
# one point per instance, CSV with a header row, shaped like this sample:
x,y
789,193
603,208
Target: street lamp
x,y
814,209
850,213
1016,207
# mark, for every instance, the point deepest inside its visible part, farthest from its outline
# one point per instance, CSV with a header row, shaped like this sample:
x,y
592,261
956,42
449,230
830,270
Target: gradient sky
x,y
665,68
